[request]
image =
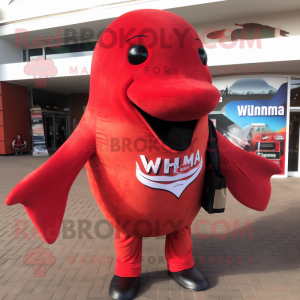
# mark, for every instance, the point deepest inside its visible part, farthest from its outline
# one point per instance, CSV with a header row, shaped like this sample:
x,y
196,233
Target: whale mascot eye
x,y
203,56
137,54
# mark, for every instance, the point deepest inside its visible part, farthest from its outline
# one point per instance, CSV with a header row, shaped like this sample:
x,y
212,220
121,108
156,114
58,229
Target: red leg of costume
x,y
178,252
129,255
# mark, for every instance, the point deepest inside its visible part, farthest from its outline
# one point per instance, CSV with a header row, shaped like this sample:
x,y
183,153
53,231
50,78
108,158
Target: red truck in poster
x,y
260,140
265,143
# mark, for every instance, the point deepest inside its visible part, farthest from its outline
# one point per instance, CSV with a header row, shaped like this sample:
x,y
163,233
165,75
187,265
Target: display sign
x,y
38,136
269,154
252,115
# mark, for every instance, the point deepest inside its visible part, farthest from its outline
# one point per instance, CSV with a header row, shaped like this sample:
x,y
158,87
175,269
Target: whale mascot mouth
x,y
177,135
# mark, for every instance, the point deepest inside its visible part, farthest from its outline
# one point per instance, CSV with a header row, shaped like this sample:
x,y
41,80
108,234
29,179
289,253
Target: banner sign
x,y
38,136
252,115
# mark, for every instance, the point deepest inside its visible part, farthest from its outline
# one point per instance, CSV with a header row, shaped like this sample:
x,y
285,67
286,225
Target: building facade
x,y
253,56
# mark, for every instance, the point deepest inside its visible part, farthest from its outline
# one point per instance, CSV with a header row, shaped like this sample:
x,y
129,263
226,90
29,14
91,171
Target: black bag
x,y
214,189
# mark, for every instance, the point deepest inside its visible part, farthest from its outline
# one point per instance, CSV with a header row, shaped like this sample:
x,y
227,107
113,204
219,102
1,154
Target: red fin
x,y
44,192
248,175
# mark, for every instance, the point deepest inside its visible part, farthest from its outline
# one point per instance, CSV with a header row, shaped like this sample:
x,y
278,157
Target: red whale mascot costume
x,y
143,139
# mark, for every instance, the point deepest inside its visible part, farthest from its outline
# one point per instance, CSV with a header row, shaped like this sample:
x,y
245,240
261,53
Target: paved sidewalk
x,y
260,260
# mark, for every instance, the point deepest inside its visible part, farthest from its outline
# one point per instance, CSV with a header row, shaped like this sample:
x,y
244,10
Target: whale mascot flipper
x,y
143,138
44,192
248,175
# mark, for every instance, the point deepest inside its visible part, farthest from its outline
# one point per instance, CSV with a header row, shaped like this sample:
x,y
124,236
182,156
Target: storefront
x,y
56,130
260,114
55,110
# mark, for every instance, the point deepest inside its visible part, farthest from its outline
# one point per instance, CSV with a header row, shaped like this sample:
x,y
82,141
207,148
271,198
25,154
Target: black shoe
x,y
124,288
190,279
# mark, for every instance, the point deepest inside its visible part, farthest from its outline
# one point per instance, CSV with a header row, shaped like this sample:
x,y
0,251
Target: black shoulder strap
x,y
213,149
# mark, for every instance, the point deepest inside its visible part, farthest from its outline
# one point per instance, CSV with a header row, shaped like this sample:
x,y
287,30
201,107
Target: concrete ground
x,y
245,254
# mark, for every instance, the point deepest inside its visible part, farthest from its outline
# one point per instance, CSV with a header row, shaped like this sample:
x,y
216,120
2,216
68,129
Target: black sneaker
x,y
190,279
124,288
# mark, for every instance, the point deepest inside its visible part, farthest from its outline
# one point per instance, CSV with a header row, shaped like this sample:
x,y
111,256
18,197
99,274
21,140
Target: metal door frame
x,y
67,125
49,115
296,174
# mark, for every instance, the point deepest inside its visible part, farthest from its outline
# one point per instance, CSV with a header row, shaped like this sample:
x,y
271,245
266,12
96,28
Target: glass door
x,y
60,130
293,159
56,130
49,132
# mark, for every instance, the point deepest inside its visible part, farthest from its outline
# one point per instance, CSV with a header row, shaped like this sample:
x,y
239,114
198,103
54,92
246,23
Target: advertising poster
x,y
38,135
252,114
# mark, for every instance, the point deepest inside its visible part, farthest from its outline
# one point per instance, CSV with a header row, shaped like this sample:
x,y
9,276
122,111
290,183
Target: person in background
x,y
18,144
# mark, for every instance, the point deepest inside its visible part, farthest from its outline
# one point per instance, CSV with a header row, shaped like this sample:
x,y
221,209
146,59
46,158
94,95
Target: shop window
x,y
293,165
72,50
50,102
24,55
295,92
34,53
251,114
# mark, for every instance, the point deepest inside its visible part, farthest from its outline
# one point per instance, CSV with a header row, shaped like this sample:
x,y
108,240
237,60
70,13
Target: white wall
x,y
262,51
289,51
51,14
26,9
287,21
73,66
9,53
